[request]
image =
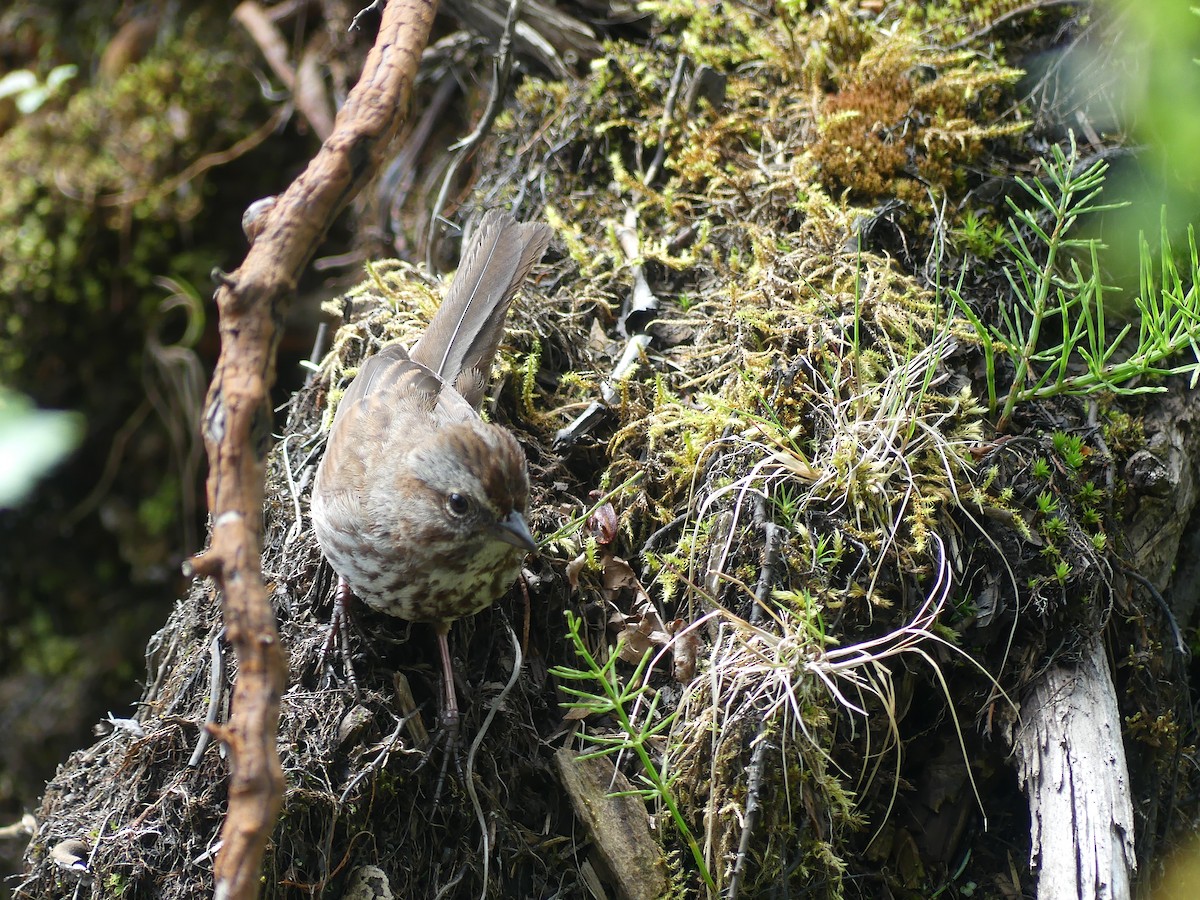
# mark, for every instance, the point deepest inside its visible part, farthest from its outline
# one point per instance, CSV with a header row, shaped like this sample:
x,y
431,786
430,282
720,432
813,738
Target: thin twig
x,y
753,810
766,574
216,689
664,125
1014,14
252,301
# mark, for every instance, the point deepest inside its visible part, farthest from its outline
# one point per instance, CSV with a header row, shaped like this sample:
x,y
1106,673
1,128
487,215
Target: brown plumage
x,y
418,504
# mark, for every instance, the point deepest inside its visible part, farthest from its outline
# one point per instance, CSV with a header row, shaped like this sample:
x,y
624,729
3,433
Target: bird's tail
x,y
465,332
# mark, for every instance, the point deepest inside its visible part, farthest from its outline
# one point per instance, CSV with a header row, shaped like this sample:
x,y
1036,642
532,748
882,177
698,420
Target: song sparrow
x,y
419,505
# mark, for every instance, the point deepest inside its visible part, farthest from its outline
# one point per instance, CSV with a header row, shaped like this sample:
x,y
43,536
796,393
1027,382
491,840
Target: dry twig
x,y
237,420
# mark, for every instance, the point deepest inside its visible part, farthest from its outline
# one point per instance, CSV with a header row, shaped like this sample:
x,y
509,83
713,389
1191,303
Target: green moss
x,y
811,372
97,191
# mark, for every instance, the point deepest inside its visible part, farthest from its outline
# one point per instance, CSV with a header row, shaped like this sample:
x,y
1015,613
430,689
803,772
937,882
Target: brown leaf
x,y
642,631
576,714
685,646
616,576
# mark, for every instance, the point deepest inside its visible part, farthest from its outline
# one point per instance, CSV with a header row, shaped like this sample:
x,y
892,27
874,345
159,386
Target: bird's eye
x,y
457,505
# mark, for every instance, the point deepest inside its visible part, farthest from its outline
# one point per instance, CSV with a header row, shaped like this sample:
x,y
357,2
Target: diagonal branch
x,y
252,301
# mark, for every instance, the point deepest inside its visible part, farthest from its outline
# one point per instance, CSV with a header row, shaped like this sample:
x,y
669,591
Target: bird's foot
x,y
338,635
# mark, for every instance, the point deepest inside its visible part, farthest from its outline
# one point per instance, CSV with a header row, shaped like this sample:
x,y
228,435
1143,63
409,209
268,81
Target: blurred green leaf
x,y
30,94
17,83
31,443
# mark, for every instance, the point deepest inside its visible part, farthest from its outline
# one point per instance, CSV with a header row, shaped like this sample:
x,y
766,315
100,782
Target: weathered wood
x,y
1071,764
618,825
1161,477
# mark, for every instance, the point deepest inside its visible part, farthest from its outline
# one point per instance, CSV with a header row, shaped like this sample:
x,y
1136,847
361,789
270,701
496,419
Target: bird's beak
x,y
512,529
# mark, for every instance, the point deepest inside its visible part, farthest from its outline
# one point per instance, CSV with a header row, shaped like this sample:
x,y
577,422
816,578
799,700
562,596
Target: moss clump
x,y
98,197
799,381
906,116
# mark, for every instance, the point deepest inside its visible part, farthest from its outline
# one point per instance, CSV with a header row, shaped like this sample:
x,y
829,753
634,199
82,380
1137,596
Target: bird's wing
x,y
391,383
380,373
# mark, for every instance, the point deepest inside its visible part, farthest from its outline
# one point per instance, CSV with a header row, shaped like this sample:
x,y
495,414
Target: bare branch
x,y
252,301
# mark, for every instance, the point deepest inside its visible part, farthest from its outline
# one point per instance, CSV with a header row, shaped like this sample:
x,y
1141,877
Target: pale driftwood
x,y
1070,758
1163,559
1071,765
619,826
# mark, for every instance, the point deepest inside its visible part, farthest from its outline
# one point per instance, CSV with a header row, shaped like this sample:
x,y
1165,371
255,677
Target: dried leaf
x,y
616,576
642,631
685,646
797,466
576,714
574,567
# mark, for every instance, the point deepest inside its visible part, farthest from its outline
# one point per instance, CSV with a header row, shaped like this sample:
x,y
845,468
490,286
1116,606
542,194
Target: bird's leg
x,y
449,704
339,632
449,698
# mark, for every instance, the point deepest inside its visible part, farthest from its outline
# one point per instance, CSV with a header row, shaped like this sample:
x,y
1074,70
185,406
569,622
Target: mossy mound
x,y
791,505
